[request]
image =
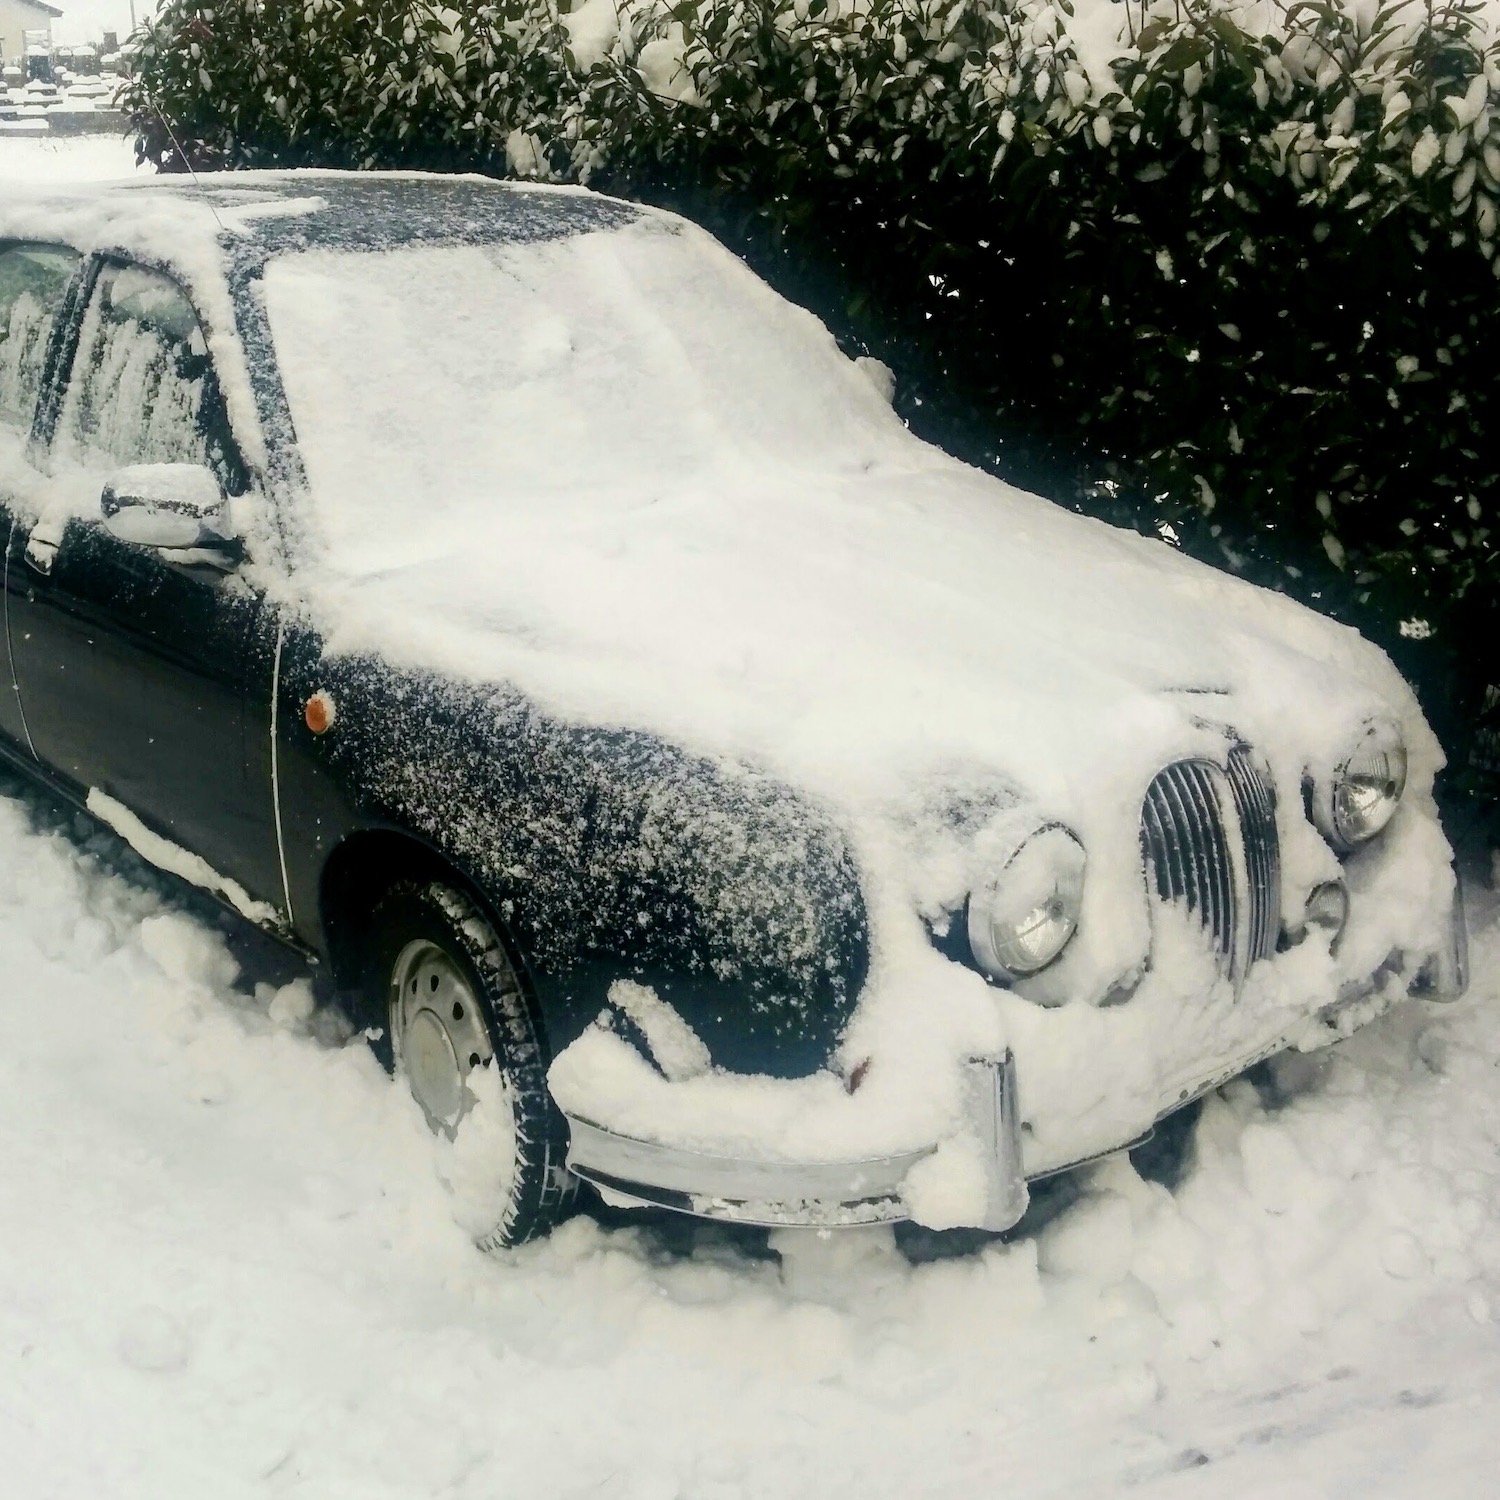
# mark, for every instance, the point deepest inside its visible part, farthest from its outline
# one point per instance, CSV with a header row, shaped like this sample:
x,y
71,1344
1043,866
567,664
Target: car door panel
x,y
137,671
142,670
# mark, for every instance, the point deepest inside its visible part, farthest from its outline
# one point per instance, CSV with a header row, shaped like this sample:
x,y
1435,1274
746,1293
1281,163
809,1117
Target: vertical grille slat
x,y
1171,872
1199,893
1179,798
1255,799
1208,835
1213,853
1154,837
1252,813
1209,856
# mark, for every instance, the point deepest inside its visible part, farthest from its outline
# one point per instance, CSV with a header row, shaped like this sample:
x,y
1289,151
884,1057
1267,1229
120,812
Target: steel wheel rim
x,y
438,1032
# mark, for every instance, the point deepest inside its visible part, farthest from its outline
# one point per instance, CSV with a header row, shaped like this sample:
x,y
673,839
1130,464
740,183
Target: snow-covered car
x,y
694,783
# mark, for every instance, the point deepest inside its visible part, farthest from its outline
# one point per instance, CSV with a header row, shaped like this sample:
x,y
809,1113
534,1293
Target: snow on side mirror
x,y
166,505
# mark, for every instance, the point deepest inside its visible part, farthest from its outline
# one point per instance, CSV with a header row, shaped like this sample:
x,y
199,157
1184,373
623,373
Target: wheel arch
x,y
362,867
387,870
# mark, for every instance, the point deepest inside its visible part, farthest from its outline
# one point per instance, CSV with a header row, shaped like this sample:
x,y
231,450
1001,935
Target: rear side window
x,y
33,279
142,388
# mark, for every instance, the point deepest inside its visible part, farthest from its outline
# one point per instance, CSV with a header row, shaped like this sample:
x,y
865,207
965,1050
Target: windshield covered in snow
x,y
436,390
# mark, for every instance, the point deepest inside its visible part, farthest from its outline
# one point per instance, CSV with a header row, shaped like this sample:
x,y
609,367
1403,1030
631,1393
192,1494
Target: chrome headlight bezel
x,y
1356,801
1021,919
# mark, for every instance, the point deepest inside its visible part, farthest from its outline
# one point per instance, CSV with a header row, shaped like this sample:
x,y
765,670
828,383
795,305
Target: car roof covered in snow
x,y
174,218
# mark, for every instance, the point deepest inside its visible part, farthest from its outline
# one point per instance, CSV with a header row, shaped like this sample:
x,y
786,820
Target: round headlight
x,y
1367,787
1022,918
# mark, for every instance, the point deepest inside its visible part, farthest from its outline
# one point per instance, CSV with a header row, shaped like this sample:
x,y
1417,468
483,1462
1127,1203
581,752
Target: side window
x,y
33,279
142,388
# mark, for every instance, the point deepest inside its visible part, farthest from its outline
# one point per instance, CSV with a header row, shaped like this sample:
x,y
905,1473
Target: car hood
x,y
620,473
869,632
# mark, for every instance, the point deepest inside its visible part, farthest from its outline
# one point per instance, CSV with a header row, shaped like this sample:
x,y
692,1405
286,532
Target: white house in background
x,y
18,18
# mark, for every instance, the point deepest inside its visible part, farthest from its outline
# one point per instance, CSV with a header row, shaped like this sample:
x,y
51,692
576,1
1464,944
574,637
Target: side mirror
x,y
166,505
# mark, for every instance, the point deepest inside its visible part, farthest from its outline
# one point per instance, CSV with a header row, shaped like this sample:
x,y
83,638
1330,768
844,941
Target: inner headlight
x,y
1023,917
1366,788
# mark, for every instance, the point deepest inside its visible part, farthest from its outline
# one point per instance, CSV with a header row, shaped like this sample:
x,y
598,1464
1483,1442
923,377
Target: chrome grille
x,y
1255,802
1208,835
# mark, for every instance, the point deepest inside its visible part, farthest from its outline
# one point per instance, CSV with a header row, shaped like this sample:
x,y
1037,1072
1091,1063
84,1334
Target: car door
x,y
143,671
34,283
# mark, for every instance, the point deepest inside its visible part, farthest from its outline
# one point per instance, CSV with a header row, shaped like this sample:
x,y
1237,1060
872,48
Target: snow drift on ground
x,y
229,1267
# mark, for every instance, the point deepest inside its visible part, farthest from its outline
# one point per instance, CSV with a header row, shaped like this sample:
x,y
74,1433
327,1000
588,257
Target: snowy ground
x,y
41,159
228,1267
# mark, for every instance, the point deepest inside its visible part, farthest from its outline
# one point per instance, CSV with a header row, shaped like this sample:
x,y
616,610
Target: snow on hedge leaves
x,y
1362,107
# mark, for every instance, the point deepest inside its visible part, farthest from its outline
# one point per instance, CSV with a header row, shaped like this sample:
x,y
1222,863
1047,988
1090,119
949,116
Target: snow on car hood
x,y
620,472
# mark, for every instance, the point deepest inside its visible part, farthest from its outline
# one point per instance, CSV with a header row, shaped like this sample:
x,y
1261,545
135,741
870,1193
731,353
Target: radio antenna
x,y
183,157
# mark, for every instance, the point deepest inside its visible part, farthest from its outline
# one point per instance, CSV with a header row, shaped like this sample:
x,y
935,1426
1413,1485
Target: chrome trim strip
x,y
595,1150
807,1214
286,889
10,655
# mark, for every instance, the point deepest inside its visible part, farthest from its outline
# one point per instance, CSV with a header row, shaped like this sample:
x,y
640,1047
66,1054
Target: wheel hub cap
x,y
439,1034
432,1067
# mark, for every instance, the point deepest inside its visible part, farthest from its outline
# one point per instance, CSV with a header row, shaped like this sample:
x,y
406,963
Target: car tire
x,y
449,1001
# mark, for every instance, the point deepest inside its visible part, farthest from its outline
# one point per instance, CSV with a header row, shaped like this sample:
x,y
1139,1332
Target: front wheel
x,y
461,1031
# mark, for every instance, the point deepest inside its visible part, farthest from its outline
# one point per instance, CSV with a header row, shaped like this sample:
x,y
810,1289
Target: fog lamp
x,y
1328,909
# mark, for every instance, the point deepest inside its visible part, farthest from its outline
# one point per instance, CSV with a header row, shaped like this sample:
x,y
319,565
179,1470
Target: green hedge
x,y
1238,288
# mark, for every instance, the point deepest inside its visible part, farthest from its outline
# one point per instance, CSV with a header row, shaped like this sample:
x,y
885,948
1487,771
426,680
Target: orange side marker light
x,y
320,713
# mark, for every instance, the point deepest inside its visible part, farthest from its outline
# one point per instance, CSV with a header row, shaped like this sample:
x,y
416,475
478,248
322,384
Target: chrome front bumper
x,y
828,1194
814,1194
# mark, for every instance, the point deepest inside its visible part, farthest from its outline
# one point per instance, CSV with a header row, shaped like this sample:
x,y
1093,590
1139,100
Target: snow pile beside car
x,y
229,1267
